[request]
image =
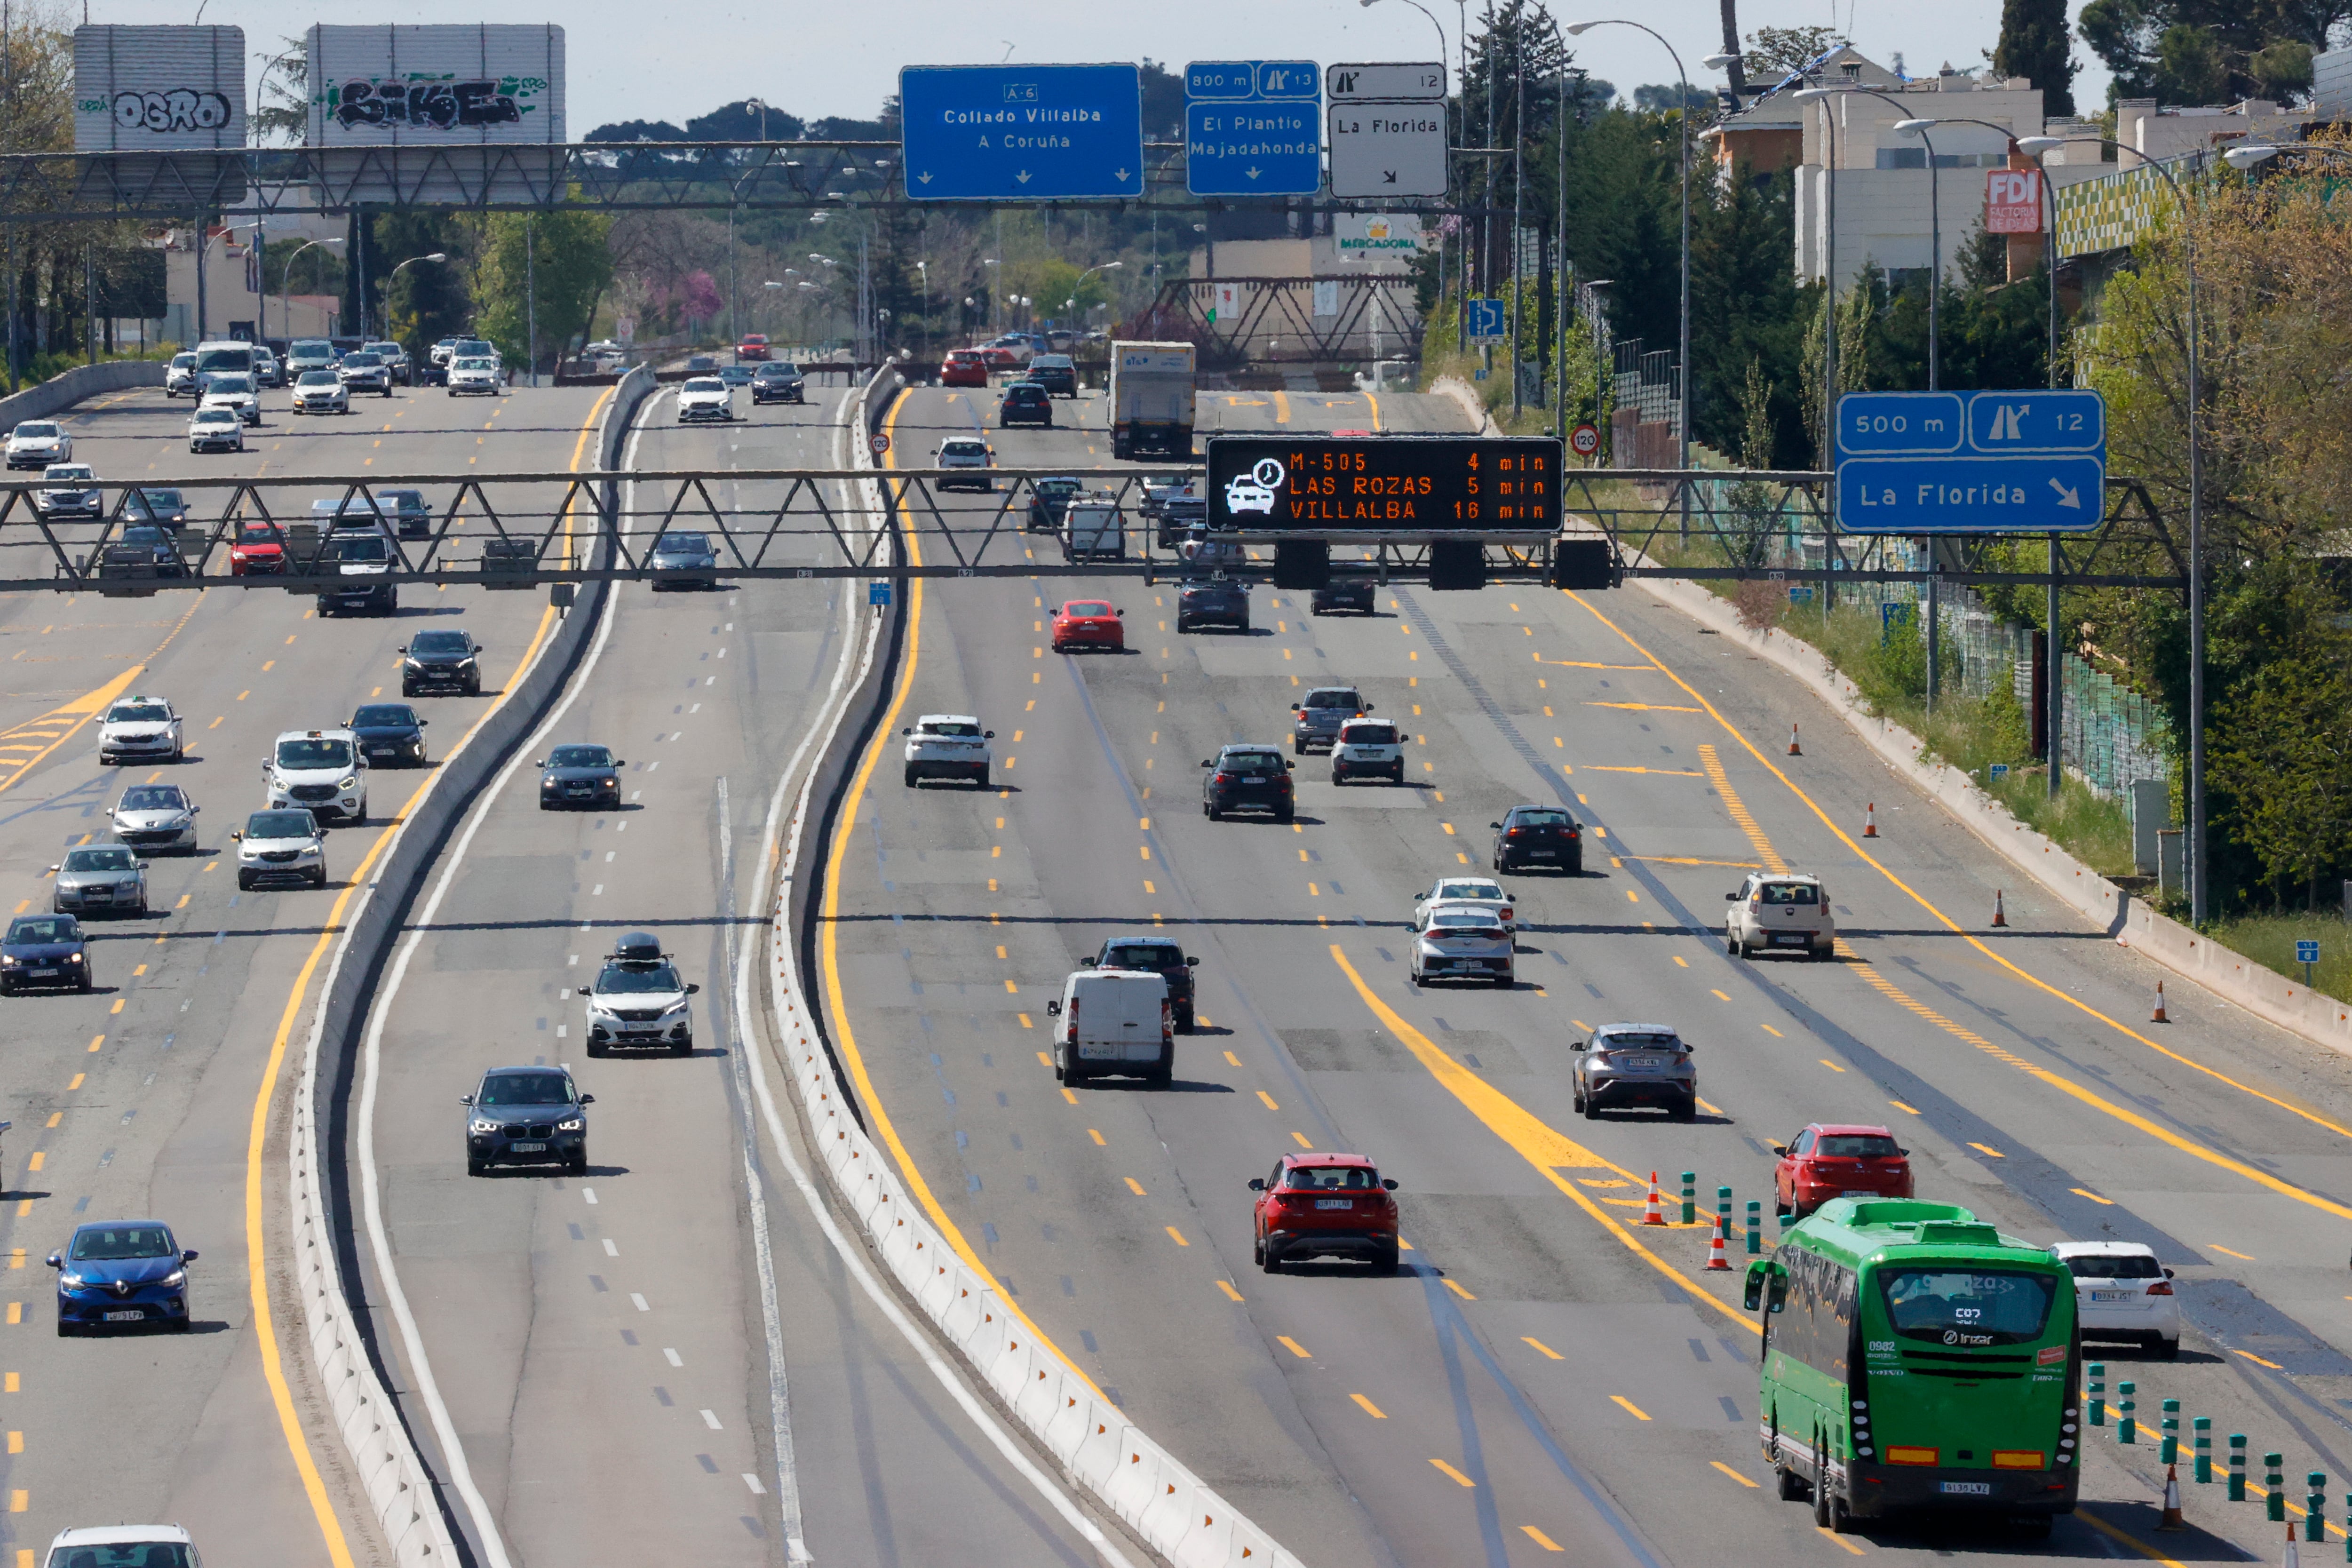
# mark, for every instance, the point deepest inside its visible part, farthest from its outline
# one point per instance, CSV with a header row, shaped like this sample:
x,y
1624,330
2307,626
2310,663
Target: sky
x,y
628,60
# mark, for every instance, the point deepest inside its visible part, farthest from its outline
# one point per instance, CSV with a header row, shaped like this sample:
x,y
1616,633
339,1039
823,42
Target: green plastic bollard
x,y
2096,1398
1690,1197
2237,1466
2203,1427
2314,1523
1755,1229
1723,1208
1787,1217
2168,1425
2274,1484
2126,1425
2347,1534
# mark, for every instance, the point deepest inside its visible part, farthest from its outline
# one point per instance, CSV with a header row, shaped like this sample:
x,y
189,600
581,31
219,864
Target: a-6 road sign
x,y
1013,132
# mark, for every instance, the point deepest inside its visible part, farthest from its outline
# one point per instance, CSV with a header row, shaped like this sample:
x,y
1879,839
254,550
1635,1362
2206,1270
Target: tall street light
x,y
286,281
438,256
1682,76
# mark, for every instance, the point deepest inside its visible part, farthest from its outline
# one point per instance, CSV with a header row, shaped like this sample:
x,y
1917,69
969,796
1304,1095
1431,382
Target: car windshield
x,y
1637,1041
1469,890
111,1242
369,547
579,757
2084,1266
1370,736
962,356
163,500
1023,392
1478,919
122,1555
706,384
221,384
1143,955
317,378
477,363
1058,487
403,500
386,351
259,533
308,346
1539,819
948,727
215,416
1086,608
153,797
69,472
1790,893
1347,700
963,449
1857,1146
1332,1179
682,544
138,714
45,927
385,716
35,431
280,824
183,362
440,642
145,533
472,346
361,359
1967,1306
525,1089
312,751
637,979
1250,763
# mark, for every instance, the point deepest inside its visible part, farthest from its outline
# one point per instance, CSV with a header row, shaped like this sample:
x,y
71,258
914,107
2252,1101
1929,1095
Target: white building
x,y
240,302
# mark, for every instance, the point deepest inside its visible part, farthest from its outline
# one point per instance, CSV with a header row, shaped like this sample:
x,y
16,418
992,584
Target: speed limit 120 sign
x,y
880,442
1584,440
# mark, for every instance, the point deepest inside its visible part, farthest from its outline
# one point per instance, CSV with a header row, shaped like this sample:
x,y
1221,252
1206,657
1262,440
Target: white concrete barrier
x,y
60,392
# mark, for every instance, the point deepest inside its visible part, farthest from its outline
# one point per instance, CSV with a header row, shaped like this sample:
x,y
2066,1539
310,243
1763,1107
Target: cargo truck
x,y
1151,401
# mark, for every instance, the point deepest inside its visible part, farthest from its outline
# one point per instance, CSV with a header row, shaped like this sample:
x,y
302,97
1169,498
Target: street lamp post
x,y
437,256
285,285
1828,266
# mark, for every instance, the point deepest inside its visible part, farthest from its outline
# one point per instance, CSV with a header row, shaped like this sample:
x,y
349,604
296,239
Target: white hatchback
x,y
37,443
948,746
1368,748
215,430
1779,910
475,373
2122,1292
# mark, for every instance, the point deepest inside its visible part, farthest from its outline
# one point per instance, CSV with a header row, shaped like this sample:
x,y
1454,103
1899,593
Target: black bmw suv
x,y
1248,778
526,1116
1216,602
1154,956
1539,839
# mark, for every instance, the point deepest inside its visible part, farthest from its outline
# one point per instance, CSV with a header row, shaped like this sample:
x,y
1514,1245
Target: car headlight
x,y
414,664
675,1008
174,1279
351,782
70,958
573,1124
612,784
9,960
600,1009
481,1124
71,1281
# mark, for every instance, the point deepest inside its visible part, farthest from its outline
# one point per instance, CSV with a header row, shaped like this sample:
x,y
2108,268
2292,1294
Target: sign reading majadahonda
x,y
1393,486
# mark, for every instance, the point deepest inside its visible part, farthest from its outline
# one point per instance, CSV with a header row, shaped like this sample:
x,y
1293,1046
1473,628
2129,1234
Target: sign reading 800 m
x,y
1384,484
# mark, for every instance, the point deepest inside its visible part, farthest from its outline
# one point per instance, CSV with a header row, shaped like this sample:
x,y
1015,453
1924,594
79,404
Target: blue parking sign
x,y
2306,952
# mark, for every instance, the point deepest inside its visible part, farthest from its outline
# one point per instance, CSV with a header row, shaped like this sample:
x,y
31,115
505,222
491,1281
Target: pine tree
x,y
2036,45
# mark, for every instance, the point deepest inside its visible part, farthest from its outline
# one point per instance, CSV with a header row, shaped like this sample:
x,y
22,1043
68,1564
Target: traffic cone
x,y
2171,1519
2157,1016
2000,915
1717,1260
1654,1214
2293,1560
1869,820
1792,741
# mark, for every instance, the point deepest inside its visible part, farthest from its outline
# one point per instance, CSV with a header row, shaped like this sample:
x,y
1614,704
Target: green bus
x,y
1915,1358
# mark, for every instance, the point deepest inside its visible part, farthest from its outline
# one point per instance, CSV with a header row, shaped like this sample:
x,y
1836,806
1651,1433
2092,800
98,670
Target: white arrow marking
x,y
1250,173
1118,173
1023,176
924,178
2067,497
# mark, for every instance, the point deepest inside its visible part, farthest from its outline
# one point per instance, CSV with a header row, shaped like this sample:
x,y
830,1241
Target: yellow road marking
x,y
1541,1538
1898,1105
1268,1099
1840,1539
1293,1346
1636,1411
1227,1287
2086,1192
2142,1547
1458,1477
2227,1253
1136,1187
37,734
1646,706
1371,1409
1988,1150
1458,1290
1728,1470
2255,1359
1176,1235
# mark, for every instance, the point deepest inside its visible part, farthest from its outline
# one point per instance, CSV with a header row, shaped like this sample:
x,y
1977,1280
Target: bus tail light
x,y
2018,1459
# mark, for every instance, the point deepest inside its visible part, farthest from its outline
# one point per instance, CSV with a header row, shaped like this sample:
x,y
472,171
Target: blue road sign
x,y
1971,462
2306,952
1487,324
976,133
1254,128
877,595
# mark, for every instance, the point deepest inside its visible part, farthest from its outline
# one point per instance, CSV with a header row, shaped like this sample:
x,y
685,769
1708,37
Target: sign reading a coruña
x,y
429,92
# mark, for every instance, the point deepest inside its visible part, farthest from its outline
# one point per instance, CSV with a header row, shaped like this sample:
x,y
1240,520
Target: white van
x,y
1113,1022
1093,529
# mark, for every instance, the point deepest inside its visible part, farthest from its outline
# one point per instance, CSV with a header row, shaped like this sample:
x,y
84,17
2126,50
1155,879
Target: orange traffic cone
x,y
1792,742
1654,1214
2157,1016
1869,820
1717,1260
2293,1559
2000,915
2172,1519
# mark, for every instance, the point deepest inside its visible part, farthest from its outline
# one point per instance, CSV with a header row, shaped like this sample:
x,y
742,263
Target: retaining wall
x,y
60,392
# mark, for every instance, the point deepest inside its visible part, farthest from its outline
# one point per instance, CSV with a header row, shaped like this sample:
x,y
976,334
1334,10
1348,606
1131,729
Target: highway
x,y
1544,1376
145,1098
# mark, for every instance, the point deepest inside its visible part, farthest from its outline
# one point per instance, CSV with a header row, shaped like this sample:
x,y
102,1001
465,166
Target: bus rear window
x,y
1967,1307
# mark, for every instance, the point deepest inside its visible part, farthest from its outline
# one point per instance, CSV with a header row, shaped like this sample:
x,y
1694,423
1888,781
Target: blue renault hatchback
x,y
122,1271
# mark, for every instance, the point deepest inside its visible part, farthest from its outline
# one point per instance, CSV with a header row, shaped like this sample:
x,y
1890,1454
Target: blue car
x,y
122,1271
527,1116
42,950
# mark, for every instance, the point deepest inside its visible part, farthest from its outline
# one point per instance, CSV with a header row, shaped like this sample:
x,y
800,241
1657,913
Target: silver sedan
x,y
100,876
156,817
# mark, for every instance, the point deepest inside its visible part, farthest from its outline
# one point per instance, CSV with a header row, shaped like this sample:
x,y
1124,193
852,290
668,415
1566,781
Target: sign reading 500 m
x,y
1384,484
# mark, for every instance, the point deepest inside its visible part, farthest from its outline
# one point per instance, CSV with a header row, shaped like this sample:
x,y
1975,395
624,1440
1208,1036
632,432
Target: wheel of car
x,y
681,1047
1244,627
1184,1019
1823,953
1297,746
319,877
2169,1350
1286,814
1506,980
140,912
981,778
1591,1108
1267,1258
1337,777
1257,1249
1211,812
65,1330
1790,1485
1385,1261
578,1164
244,882
1576,1098
1688,1109
911,775
595,1046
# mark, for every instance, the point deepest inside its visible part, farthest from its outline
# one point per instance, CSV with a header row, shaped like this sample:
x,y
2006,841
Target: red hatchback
x,y
260,550
1088,623
753,346
963,367
1836,1160
1324,1206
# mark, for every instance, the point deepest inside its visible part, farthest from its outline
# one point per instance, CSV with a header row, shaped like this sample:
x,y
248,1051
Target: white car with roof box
x,y
139,730
476,375
122,1546
37,443
701,398
2122,1292
639,998
948,746
1480,893
1113,1021
1786,911
317,770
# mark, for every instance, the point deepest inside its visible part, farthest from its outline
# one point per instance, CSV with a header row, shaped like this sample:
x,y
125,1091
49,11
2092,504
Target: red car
x,y
964,367
753,346
260,550
998,358
1837,1160
1088,623
1324,1206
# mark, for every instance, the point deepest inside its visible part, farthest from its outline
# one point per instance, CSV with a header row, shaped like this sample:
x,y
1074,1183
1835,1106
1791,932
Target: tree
x,y
1775,54
429,300
2193,52
569,257
2036,44
284,110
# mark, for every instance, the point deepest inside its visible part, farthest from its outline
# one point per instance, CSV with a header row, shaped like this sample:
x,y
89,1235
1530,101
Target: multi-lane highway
x,y
1545,1375
144,1098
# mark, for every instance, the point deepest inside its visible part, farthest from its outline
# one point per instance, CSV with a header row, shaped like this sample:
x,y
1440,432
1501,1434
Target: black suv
x,y
1248,778
1153,955
1218,602
1049,499
446,657
778,383
1025,403
1540,838
1343,594
526,1116
390,734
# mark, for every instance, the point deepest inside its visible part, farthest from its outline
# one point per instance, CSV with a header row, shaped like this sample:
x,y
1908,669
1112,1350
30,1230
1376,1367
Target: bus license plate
x,y
1967,1489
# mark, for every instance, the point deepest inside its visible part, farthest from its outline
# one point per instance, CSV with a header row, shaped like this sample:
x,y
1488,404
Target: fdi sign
x,y
979,133
1971,462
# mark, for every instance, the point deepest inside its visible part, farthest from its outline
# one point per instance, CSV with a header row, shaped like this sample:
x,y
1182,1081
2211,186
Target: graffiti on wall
x,y
174,108
443,104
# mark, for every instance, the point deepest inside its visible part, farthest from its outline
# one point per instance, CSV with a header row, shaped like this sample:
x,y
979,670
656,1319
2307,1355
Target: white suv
x,y
139,728
235,393
1780,909
309,353
2122,1292
948,746
475,374
1368,748
274,844
37,443
180,375
321,772
966,452
123,1543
